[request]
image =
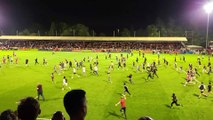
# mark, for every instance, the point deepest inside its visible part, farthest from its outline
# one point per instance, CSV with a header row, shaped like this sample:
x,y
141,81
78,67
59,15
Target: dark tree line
x,y
159,29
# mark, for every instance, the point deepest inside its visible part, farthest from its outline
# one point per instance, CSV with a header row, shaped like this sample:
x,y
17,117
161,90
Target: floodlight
x,y
208,7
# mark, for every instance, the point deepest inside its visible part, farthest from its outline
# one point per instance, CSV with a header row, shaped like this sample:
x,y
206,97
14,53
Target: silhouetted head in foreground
x,y
75,104
28,109
145,118
58,116
8,115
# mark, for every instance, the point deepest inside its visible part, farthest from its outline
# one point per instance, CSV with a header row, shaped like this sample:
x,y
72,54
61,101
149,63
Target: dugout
x,y
194,49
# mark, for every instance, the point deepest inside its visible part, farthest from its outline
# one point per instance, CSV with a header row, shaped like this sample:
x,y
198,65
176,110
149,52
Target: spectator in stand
x,y
8,115
75,104
28,109
68,46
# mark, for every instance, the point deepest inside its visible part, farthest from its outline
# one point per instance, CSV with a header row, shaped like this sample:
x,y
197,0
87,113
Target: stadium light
x,y
208,7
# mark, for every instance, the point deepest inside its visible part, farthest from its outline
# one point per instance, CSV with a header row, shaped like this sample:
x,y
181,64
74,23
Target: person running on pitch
x,y
202,90
149,73
209,87
174,101
154,71
126,89
52,77
122,101
65,84
130,79
109,76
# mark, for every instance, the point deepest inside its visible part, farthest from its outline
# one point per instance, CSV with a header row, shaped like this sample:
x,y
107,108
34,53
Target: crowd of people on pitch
x,y
140,62
87,45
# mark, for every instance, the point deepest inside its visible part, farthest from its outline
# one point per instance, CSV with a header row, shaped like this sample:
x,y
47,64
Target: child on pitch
x,y
130,78
109,76
84,70
196,71
184,59
26,62
112,65
52,77
74,73
65,84
202,90
209,64
91,68
119,64
143,66
149,71
36,61
188,78
181,68
95,71
209,87
138,68
126,89
133,64
204,69
210,70
70,64
199,63
11,60
60,66
16,60
4,60
193,76
175,65
174,101
14,54
154,71
44,61
55,69
124,66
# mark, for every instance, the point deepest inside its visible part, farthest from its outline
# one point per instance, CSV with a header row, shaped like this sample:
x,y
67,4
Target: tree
x,y
53,29
36,29
81,30
102,34
161,27
171,27
152,30
24,32
64,29
92,33
140,32
67,32
125,32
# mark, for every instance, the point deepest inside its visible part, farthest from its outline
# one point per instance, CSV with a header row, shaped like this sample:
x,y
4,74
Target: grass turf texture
x,y
149,98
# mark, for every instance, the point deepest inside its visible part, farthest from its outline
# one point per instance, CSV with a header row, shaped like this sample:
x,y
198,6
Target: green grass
x,y
150,98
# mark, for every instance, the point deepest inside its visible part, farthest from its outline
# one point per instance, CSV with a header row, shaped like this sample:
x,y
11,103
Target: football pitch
x,y
149,98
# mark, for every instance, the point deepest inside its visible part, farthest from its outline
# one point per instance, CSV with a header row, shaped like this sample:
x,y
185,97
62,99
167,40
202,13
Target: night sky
x,y
100,15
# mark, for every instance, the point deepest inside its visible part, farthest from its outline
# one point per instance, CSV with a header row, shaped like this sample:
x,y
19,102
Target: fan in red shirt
x,y
40,91
123,105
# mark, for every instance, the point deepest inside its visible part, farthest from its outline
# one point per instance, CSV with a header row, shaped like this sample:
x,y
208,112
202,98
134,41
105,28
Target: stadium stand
x,y
113,44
